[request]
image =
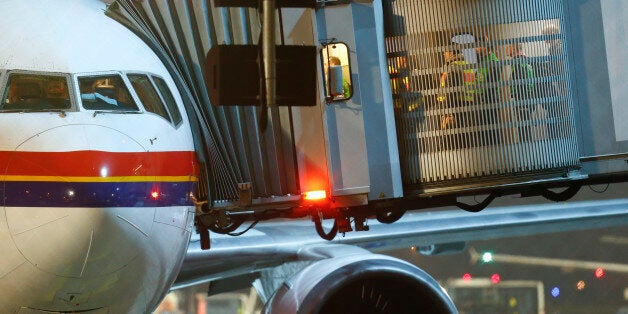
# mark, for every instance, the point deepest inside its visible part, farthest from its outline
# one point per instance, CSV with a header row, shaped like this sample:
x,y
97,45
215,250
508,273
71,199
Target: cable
x,y
480,206
388,217
226,229
214,226
245,230
319,229
602,191
561,196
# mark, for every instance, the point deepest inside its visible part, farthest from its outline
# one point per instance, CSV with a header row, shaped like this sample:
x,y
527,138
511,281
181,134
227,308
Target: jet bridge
x,y
415,102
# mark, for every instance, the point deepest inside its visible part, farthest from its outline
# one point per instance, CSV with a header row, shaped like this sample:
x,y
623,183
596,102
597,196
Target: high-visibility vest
x,y
522,71
488,74
468,81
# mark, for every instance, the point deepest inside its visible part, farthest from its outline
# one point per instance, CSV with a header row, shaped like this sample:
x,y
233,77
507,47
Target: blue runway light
x,y
555,292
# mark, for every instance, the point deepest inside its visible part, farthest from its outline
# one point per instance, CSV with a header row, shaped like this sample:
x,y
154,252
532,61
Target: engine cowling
x,y
364,283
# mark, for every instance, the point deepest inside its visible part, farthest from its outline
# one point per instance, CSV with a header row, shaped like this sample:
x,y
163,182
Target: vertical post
x,y
268,50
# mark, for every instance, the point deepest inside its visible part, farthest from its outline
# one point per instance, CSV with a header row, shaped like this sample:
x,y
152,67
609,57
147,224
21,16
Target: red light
x,y
154,194
315,195
467,277
495,278
599,273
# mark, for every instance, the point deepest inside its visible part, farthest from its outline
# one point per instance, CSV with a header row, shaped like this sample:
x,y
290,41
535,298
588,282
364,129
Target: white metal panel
x,y
615,30
344,120
112,48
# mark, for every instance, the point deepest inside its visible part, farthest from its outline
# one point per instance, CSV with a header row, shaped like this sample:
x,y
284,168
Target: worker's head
x,y
484,45
333,60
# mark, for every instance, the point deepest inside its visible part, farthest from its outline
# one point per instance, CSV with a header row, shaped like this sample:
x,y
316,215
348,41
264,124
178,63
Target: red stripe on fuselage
x,y
91,163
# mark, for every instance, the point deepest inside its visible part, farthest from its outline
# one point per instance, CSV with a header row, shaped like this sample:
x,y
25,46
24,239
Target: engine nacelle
x,y
364,283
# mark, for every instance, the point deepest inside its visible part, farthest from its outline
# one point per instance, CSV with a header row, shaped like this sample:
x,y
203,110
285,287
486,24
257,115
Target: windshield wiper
x,y
116,112
29,110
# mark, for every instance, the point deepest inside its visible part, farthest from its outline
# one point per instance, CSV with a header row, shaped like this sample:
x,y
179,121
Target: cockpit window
x,y
169,99
36,92
148,95
105,92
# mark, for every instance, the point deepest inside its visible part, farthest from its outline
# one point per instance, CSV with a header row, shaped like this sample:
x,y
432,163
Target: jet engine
x,y
363,283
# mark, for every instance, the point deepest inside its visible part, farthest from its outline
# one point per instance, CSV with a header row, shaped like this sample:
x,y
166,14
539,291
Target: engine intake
x,y
365,283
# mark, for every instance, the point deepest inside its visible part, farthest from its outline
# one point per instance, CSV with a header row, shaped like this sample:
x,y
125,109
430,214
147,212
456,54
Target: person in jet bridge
x,y
455,76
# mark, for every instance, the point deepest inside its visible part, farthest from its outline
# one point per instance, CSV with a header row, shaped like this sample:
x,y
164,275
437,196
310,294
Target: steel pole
x,y
268,51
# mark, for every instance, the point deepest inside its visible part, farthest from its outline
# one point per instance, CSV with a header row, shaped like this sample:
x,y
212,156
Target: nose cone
x,y
55,190
79,242
93,221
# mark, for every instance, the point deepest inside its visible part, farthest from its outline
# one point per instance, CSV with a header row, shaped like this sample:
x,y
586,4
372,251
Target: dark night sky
x,y
604,295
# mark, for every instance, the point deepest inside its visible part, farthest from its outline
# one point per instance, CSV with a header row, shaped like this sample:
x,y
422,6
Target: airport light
x,y
581,285
495,279
555,292
487,257
599,273
315,195
467,277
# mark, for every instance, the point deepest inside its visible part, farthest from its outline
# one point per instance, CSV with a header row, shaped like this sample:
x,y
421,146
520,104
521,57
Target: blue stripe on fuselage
x,y
97,194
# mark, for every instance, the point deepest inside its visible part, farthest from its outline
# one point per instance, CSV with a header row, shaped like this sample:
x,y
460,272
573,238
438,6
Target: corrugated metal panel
x,y
234,148
481,89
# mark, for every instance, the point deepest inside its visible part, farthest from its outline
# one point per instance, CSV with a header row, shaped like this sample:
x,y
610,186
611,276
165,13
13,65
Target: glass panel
x,y
148,95
169,99
481,91
337,71
105,92
36,92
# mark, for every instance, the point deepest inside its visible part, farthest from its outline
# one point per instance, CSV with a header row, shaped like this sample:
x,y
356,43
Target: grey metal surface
x,y
600,79
236,151
271,244
504,116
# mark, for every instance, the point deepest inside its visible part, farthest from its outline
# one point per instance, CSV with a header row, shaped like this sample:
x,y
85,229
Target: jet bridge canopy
x,y
447,97
232,149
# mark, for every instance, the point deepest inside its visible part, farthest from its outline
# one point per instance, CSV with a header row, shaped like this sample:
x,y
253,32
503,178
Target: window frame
x,y
168,108
4,80
127,85
326,80
134,92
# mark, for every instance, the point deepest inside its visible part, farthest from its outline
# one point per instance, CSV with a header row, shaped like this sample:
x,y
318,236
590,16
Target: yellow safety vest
x,y
468,79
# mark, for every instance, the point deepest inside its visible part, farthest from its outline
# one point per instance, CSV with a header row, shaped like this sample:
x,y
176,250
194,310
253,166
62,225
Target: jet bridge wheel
x,y
389,216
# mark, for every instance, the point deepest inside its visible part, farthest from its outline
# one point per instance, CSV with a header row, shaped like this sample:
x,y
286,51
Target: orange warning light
x,y
315,195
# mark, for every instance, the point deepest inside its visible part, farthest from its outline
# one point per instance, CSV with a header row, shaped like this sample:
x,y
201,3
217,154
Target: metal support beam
x,y
268,51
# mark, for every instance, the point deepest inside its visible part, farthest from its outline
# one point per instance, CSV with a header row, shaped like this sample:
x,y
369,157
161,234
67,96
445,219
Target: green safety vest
x,y
523,71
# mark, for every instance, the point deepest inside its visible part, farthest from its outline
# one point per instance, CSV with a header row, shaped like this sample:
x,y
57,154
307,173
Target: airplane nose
x,y
79,242
70,213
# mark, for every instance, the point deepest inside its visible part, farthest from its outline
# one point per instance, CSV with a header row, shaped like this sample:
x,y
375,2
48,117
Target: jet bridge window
x,y
148,95
337,72
105,92
482,92
36,92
